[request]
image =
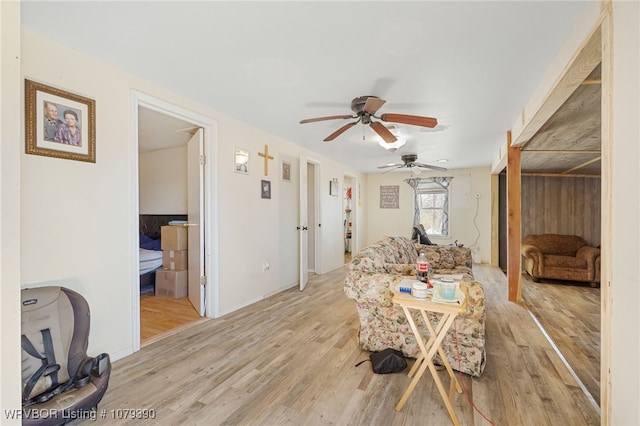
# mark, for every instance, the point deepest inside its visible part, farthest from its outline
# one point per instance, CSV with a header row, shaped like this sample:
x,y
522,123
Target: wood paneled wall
x,y
561,205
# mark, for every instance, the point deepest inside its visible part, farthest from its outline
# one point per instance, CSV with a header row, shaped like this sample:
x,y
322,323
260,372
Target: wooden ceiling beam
x,y
536,114
579,166
598,176
561,151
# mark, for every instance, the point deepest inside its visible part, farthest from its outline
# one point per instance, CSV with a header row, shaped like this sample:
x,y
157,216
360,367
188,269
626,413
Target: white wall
x,y
11,135
163,181
77,222
331,211
463,208
625,211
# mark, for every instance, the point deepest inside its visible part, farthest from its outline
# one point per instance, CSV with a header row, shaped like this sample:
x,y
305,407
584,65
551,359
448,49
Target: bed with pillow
x,y
150,247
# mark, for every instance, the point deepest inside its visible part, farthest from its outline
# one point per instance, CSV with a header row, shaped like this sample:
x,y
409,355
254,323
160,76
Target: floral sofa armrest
x,y
475,299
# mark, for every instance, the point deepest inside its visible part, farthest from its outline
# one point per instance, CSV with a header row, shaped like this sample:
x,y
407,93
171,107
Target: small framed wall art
x,y
286,171
59,124
242,161
333,187
265,189
389,196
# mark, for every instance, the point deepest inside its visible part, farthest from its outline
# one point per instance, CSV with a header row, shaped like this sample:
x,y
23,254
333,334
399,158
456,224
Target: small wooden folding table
x,y
430,344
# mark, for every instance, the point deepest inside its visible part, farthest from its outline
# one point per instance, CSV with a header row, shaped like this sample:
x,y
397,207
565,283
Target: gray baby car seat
x,y
60,382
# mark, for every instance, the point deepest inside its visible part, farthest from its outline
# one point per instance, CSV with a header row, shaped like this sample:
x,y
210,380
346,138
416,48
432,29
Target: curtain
x,y
425,183
414,182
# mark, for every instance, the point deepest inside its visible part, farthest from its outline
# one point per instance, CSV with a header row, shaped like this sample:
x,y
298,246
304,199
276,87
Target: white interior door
x,y
303,226
195,213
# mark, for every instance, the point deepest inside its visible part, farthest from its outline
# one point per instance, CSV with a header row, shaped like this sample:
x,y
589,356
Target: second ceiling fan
x,y
410,161
365,108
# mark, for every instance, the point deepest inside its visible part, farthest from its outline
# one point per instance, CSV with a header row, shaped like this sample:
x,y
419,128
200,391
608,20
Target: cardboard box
x,y
173,237
173,284
175,259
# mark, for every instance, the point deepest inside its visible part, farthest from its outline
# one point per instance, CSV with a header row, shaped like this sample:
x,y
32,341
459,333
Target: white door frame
x,y
196,215
212,307
354,211
317,203
303,251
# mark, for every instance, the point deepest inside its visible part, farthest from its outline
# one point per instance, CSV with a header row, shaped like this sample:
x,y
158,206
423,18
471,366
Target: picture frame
x,y
286,171
59,124
241,160
265,189
333,187
389,196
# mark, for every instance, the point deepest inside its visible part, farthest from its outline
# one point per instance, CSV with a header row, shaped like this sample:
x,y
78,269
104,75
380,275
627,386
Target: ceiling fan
x,y
365,108
409,161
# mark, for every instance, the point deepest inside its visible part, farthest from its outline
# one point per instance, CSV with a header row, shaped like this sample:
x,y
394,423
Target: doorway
x,y
349,216
310,224
175,143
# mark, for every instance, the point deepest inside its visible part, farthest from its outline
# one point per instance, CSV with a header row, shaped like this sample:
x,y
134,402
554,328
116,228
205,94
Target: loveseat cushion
x,y
562,245
555,261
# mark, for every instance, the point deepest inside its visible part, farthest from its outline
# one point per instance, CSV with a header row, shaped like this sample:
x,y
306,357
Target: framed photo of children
x,y
59,124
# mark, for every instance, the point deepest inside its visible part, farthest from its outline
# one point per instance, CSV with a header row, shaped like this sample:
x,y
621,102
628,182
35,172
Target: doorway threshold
x,y
171,332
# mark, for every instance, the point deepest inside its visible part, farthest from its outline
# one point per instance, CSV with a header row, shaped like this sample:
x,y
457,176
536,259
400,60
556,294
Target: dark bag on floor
x,y
386,361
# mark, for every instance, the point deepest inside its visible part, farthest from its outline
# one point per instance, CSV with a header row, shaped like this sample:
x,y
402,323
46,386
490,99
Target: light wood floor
x,y
290,360
161,315
570,313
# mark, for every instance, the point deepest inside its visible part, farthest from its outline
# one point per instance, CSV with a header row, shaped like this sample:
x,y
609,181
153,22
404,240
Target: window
x,y
432,202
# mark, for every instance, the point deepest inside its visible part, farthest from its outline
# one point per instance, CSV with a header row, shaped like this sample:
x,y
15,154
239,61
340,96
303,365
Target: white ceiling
x,y
472,65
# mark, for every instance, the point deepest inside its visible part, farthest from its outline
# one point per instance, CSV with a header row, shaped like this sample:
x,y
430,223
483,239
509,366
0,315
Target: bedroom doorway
x,y
349,216
174,185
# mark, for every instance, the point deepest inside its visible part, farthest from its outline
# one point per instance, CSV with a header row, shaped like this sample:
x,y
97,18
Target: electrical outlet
x,y
265,266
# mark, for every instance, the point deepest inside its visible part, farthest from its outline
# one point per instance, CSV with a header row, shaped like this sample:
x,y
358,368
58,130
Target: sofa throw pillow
x,y
440,257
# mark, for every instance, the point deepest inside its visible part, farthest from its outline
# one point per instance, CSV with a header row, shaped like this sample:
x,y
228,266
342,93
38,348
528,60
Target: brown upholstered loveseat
x,y
561,257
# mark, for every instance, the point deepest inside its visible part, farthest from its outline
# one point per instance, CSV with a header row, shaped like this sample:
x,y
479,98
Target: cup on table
x,y
448,289
419,290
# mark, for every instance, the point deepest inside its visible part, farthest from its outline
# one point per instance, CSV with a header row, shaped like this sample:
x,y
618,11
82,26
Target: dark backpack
x,y
386,361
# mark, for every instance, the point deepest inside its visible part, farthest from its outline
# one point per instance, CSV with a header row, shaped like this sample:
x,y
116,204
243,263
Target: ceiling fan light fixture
x,y
393,146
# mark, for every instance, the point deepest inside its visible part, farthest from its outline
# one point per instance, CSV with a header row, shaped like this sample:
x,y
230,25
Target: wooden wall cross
x,y
267,157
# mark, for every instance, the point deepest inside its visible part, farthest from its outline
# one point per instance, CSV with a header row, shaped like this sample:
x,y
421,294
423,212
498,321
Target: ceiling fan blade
x,y
414,120
373,104
340,131
330,117
390,170
427,166
384,133
390,165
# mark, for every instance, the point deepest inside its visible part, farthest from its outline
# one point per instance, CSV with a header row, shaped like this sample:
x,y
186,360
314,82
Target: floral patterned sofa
x,y
373,275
